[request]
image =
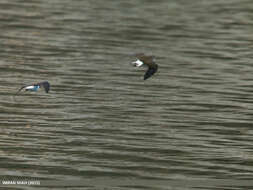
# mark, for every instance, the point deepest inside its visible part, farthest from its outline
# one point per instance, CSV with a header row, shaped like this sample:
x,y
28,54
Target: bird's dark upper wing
x,y
139,55
147,59
45,85
150,71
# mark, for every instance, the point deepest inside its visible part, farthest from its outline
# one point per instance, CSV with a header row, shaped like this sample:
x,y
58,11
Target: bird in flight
x,y
148,61
35,87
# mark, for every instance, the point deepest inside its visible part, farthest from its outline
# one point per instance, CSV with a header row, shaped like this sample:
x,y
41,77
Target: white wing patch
x,y
137,63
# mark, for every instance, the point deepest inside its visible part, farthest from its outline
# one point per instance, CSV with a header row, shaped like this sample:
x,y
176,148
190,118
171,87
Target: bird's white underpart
x,y
29,87
137,63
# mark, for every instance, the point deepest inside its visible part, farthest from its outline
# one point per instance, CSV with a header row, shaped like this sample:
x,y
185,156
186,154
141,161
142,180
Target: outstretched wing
x,y
21,89
45,85
147,59
150,71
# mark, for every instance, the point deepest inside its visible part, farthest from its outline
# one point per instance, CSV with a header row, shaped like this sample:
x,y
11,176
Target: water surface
x,y
191,120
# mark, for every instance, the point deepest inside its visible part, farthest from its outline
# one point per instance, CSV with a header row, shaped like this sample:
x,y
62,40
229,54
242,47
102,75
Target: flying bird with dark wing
x,y
35,87
148,61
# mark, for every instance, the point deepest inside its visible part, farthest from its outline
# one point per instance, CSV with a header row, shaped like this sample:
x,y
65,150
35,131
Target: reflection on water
x,y
192,119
